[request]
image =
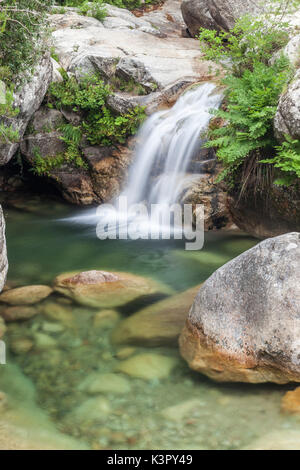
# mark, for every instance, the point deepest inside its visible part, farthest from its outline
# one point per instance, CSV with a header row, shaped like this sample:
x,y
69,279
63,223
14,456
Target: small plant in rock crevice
x,y
99,124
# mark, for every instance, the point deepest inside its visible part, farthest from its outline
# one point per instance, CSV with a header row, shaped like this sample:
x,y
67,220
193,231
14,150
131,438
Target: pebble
x,y
148,366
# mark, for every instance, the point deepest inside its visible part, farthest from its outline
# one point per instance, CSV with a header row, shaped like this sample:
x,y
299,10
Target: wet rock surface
x,y
243,325
28,99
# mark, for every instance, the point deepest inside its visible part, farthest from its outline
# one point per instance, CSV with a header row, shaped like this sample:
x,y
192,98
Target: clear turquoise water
x,y
206,415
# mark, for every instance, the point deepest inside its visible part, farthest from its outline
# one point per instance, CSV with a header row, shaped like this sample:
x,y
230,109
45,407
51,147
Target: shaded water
x,y
182,411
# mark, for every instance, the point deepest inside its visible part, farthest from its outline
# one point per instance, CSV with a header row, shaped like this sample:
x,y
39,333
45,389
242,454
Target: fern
x,y
287,160
251,105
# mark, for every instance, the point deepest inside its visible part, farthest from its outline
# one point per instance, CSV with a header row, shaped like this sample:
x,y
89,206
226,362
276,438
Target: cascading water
x,y
168,141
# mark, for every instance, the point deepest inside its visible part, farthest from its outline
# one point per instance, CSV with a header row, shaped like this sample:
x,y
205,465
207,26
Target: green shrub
x,y
96,9
287,159
8,134
253,84
22,33
129,4
99,124
249,42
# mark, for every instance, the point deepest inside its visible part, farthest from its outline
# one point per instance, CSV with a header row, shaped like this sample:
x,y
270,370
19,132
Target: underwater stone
x,y
178,412
106,289
21,345
3,252
106,319
105,383
148,366
25,295
43,341
93,409
60,313
290,402
11,314
158,324
2,327
52,327
3,402
126,352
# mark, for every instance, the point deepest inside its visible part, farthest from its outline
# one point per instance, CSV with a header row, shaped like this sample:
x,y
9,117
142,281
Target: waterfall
x,y
168,142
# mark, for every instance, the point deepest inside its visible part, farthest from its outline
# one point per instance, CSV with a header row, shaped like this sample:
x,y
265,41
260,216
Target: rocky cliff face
x,y
215,14
244,323
28,100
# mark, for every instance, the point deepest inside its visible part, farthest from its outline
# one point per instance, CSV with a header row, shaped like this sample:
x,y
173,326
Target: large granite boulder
x,y
215,14
287,118
196,15
27,99
244,325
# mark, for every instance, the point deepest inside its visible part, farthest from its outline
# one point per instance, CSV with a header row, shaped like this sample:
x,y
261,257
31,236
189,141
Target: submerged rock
x,y
148,366
60,313
126,352
21,345
158,324
3,402
18,313
44,341
290,403
91,410
179,412
25,295
105,289
244,324
97,383
106,319
282,439
2,327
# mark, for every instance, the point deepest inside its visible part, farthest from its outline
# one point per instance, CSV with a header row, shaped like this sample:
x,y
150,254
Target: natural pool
x,y
184,410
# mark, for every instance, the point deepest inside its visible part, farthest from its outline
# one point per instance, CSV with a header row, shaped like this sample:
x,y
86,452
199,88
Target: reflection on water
x,y
124,397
